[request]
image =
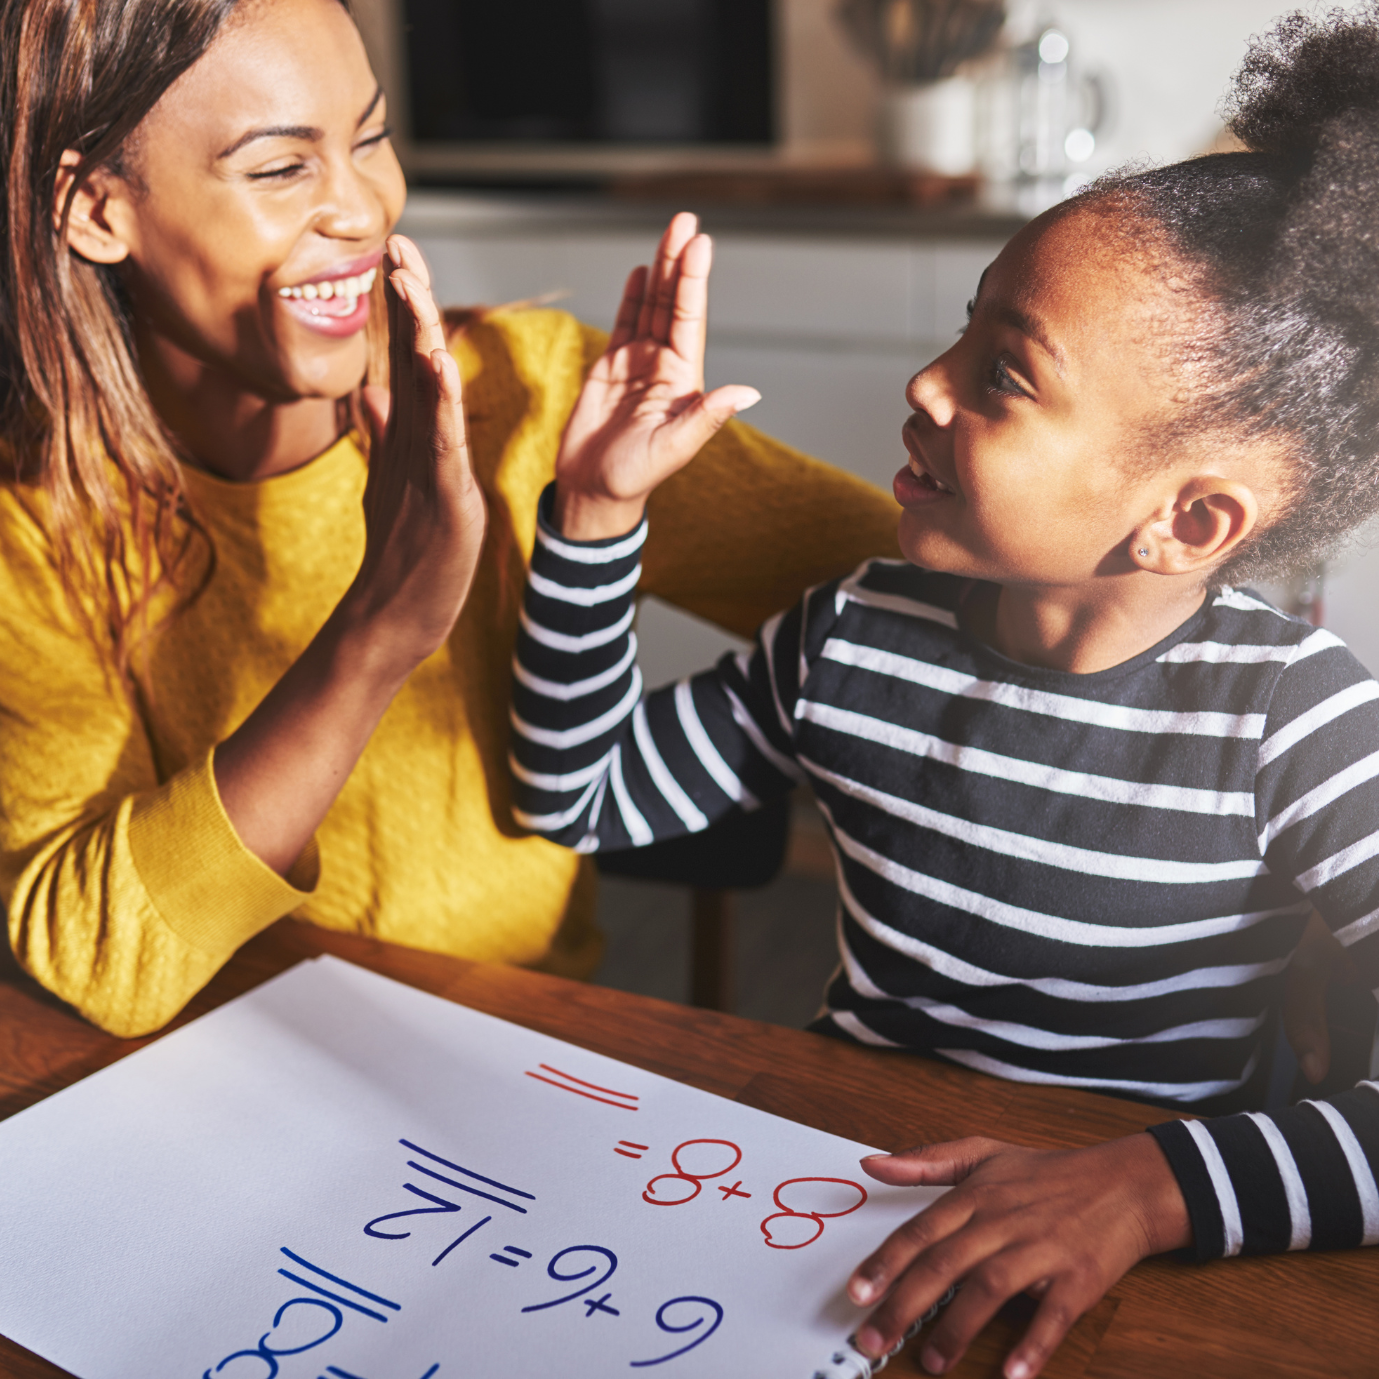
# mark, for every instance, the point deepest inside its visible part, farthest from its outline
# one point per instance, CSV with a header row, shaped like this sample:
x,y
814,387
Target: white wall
x,y
1167,62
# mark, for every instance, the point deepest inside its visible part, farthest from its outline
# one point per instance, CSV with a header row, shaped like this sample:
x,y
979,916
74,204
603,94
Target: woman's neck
x,y
1072,630
223,426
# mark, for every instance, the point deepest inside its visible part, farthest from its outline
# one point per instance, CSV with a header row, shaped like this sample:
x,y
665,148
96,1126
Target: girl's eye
x,y
1003,381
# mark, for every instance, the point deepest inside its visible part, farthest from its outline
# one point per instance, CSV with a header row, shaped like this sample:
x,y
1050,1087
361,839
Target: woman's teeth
x,y
349,288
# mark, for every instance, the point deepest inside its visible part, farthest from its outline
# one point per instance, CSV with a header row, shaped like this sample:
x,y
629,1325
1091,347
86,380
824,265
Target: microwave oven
x,y
504,90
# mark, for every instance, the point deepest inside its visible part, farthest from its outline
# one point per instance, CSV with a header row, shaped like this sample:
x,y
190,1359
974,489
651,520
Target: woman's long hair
x,y
75,418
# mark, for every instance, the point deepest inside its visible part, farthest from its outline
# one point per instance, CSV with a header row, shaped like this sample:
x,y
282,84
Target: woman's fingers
x,y
450,444
406,255
629,309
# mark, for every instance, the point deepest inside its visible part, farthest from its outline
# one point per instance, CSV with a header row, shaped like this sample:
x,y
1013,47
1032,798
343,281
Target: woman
x,y
235,679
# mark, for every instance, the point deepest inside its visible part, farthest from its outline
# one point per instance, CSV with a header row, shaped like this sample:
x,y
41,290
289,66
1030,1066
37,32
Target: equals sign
x,y
627,1152
511,1249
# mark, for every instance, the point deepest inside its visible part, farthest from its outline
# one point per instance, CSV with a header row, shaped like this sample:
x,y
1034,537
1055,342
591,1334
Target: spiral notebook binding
x,y
850,1363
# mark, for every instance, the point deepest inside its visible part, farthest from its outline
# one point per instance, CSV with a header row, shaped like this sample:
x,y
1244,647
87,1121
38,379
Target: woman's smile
x,y
336,301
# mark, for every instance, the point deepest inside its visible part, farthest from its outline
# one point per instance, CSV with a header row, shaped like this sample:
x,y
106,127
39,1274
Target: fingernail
x,y
862,1291
869,1342
752,402
932,1360
868,1158
1312,1067
1018,1369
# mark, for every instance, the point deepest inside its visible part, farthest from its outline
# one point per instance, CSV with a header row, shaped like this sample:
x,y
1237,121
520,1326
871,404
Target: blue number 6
x,y
688,1326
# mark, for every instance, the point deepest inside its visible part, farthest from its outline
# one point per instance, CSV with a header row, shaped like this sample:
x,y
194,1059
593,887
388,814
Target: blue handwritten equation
x,y
442,1188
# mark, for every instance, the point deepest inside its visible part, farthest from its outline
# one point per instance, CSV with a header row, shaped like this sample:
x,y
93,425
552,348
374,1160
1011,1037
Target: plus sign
x,y
592,1305
732,1191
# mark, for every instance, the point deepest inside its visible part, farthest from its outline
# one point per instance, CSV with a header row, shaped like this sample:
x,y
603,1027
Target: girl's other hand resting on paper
x,y
643,413
1061,1225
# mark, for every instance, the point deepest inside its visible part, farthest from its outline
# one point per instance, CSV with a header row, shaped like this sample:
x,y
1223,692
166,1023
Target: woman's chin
x,y
333,372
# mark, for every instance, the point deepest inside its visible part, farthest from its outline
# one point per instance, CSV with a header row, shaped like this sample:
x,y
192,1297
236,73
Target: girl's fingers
x,y
1062,1305
629,309
876,1274
690,308
985,1290
654,319
933,1165
689,432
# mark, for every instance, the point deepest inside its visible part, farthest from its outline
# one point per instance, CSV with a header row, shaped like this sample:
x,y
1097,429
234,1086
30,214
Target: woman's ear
x,y
1208,519
96,224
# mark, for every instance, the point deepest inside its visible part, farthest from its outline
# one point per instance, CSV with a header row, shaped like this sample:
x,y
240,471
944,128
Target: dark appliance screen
x,y
591,71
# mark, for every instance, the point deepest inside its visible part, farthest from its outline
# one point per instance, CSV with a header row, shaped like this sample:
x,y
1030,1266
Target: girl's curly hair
x,y
1283,238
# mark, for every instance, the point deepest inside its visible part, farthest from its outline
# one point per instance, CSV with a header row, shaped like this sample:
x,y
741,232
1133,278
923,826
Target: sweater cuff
x,y
207,887
1194,1178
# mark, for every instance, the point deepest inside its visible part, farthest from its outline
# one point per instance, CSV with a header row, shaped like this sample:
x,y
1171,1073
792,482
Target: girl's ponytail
x,y
1283,239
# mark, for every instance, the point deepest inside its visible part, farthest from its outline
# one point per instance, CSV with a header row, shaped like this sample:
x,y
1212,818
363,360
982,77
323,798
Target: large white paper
x,y
339,1177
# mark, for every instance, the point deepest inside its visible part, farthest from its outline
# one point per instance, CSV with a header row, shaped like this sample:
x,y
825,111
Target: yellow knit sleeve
x,y
124,892
750,524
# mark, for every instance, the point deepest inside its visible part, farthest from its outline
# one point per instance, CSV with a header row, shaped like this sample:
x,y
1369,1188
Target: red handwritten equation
x,y
567,1082
812,1201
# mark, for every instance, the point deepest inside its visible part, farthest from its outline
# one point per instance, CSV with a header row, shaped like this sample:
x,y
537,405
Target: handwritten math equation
x,y
813,1201
578,1277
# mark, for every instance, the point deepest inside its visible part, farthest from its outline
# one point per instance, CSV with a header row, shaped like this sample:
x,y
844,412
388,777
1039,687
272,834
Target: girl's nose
x,y
930,391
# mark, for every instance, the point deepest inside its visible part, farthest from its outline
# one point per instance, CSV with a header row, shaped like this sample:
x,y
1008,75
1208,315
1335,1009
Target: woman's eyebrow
x,y
294,131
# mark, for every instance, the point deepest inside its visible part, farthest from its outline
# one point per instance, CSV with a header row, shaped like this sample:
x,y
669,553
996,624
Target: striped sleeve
x,y
1317,791
1305,1177
1298,1179
598,765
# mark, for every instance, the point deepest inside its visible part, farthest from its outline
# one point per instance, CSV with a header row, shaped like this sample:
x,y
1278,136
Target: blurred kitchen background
x,y
859,162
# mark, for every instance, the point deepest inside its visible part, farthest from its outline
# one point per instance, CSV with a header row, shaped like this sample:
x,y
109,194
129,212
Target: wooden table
x,y
1300,1316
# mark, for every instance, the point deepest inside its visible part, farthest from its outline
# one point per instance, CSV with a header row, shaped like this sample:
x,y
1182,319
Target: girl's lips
x,y
320,317
913,490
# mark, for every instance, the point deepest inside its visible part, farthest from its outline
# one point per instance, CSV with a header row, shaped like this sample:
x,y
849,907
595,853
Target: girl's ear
x,y
1208,519
96,222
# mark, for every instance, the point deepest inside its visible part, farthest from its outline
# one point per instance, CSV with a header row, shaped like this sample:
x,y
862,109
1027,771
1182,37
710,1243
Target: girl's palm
x,y
643,412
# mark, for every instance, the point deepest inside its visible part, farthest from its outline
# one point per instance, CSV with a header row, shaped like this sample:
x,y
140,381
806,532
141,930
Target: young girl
x,y
1082,789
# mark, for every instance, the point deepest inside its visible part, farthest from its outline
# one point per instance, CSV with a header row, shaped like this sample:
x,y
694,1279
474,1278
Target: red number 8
x,y
698,1179
817,1217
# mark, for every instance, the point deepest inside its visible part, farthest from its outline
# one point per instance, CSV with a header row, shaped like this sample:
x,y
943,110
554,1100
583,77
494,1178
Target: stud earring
x,y
1143,551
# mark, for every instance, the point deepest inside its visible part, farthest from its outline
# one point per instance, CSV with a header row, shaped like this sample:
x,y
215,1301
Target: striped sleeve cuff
x,y
1297,1179
207,887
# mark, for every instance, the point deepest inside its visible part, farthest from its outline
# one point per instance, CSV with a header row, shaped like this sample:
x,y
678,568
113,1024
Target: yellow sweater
x,y
125,884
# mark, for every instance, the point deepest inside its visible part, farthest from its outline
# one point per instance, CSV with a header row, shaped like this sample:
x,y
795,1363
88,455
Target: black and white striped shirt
x,y
1085,880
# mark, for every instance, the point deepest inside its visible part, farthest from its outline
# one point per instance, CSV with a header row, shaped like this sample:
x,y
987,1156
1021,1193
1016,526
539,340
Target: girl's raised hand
x,y
1062,1225
643,412
424,511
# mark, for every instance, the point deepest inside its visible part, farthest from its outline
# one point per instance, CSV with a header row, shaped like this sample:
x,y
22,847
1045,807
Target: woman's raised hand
x,y
424,511
643,412
1061,1225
